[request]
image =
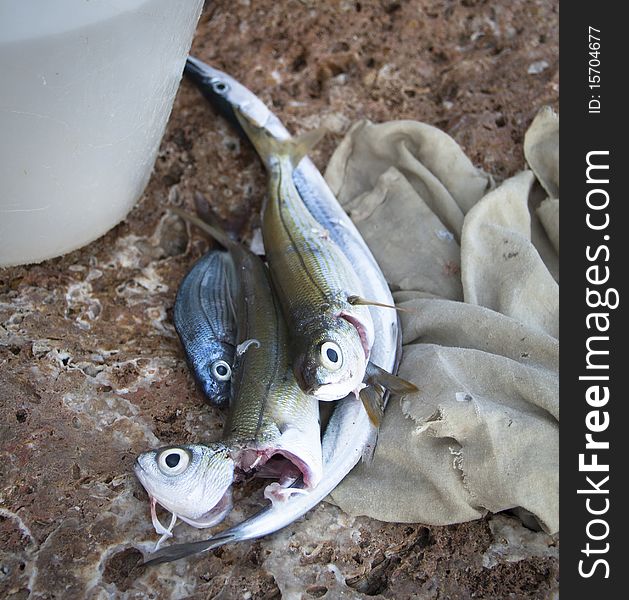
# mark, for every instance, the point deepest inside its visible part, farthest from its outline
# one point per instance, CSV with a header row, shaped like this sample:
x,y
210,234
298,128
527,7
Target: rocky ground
x,y
91,371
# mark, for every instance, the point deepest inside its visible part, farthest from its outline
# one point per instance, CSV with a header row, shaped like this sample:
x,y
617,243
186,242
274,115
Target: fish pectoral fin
x,y
373,401
301,144
393,383
358,301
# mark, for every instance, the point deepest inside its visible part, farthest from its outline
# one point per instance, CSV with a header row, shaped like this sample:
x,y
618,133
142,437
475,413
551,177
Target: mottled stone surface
x,y
91,371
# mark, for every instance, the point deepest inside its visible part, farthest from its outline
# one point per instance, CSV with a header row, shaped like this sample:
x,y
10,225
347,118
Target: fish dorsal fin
x,y
303,143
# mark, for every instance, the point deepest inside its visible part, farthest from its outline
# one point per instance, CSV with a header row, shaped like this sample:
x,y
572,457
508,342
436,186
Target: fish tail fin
x,y
393,383
298,146
370,447
214,230
270,147
178,551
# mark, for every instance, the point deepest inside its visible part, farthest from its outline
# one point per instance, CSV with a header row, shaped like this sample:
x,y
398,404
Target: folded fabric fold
x,y
476,271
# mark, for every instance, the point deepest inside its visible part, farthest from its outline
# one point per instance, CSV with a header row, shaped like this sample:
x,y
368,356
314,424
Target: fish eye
x,y
331,356
173,461
220,87
221,371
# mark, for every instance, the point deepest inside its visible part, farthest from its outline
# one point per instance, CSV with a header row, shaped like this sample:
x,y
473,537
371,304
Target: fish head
x,y
330,362
227,95
212,365
188,480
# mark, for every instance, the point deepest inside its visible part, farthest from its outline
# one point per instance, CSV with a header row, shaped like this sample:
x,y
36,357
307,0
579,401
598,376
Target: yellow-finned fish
x,y
331,337
331,328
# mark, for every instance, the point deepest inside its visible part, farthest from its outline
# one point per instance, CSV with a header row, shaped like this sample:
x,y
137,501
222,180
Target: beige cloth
x,y
480,331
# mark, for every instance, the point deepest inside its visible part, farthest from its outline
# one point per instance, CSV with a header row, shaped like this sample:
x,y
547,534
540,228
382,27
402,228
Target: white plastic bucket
x,y
86,88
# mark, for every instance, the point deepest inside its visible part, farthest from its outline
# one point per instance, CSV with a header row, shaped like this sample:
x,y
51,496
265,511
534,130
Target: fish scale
x,y
257,368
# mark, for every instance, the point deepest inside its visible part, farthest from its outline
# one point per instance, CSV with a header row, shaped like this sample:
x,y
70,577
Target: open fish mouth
x,y
277,463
